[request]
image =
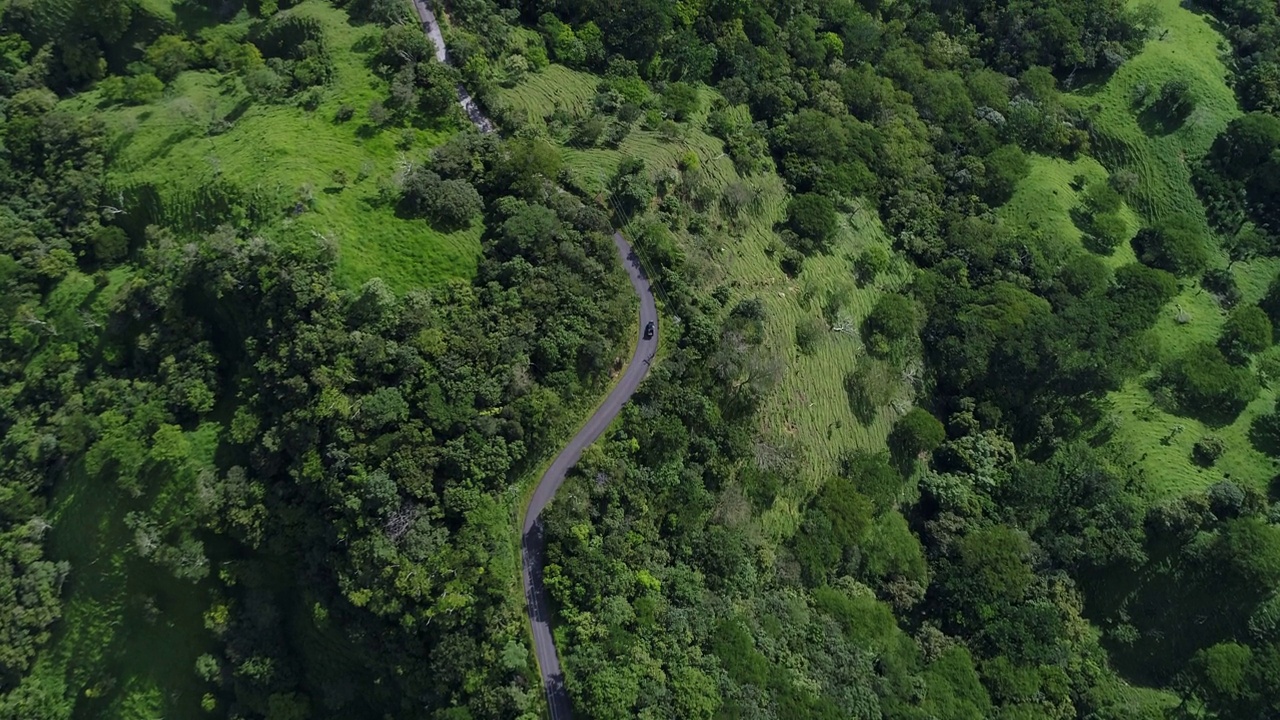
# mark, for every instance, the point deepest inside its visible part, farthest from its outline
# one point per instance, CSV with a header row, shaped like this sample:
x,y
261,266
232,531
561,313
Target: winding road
x,y
533,541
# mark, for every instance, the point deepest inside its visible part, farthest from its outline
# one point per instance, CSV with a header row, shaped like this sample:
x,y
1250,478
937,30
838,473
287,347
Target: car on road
x,y
648,331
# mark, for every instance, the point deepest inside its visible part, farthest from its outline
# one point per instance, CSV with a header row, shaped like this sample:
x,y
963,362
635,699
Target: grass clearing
x,y
1045,198
1128,137
538,94
1150,434
164,160
809,406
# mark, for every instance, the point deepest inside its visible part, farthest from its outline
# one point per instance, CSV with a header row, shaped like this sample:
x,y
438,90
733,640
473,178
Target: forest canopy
x,y
247,476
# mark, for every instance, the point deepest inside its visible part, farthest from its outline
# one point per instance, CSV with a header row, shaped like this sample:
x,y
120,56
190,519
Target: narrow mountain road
x,y
533,545
432,29
533,541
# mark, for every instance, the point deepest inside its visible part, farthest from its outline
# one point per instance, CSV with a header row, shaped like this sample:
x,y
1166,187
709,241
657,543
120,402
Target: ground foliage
x,y
360,495
998,560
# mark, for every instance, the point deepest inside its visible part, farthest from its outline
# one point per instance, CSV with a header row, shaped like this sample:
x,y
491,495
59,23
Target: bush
x,y
1264,433
1100,198
1208,449
1176,243
808,332
870,263
812,217
1247,331
1222,284
1175,100
1209,387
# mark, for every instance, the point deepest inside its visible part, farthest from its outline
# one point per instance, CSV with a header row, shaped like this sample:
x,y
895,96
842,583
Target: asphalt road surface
x,y
432,29
533,545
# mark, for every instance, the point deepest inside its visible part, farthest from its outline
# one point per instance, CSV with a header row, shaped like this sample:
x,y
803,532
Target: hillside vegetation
x,y
811,318
963,409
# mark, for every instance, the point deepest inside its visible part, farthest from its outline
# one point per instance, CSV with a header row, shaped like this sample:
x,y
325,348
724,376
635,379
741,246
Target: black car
x,y
648,330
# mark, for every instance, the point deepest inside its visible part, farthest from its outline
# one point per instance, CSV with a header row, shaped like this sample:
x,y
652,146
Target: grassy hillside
x,y
1129,137
1045,199
167,155
1128,134
809,409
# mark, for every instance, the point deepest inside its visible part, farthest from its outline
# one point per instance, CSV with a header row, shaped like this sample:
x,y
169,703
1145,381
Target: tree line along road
x,y
533,542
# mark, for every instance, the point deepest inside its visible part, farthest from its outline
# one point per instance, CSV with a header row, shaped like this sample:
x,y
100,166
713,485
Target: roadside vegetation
x,y
965,406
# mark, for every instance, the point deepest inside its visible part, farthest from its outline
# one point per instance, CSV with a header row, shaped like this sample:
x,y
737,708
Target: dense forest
x,y
299,495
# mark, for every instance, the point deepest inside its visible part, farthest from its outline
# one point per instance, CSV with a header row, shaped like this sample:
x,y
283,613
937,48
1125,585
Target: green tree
x,y
170,55
891,321
1176,243
1005,167
1208,386
110,244
870,263
681,100
1246,331
812,219
916,433
1220,675
1106,232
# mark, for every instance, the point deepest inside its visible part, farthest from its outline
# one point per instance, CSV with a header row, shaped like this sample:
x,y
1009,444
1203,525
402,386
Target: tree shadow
x,y
193,17
1155,122
238,110
1089,82
1264,435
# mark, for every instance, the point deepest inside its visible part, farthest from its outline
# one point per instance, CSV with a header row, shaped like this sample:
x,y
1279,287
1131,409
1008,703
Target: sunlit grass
x,y
284,153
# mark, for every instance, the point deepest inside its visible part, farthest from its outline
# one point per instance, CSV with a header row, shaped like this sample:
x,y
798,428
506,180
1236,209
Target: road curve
x,y
432,29
533,542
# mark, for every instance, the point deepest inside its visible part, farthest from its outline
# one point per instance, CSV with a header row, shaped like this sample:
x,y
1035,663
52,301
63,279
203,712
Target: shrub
x,y
1209,387
1247,331
1175,100
1176,243
870,263
808,332
1208,449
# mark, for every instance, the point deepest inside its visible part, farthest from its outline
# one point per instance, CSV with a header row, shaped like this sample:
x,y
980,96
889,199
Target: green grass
x,y
1125,138
809,406
111,655
163,156
538,94
1148,434
1044,200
